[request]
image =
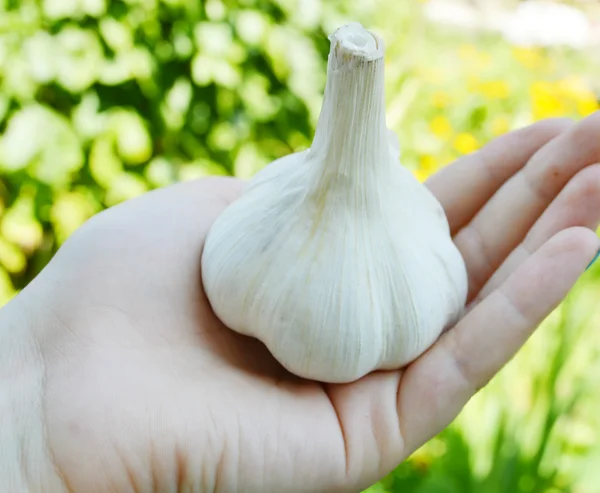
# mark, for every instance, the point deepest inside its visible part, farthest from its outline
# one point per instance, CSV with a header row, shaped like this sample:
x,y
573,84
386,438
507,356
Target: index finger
x,y
464,187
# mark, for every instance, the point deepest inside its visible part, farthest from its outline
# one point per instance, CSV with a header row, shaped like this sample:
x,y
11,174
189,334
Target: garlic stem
x,y
351,135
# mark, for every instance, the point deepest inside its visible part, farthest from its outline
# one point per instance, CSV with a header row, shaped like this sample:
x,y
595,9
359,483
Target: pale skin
x,y
115,375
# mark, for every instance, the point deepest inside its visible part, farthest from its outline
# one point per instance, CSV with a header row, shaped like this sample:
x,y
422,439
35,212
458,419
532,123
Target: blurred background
x,y
101,101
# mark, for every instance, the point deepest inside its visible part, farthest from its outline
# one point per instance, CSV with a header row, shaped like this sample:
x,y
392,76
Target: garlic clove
x,y
337,258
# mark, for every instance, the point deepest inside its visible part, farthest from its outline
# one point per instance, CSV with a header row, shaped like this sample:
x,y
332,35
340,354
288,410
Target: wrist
x,y
25,461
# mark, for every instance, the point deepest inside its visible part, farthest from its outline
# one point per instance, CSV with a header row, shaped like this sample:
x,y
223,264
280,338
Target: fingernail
x,y
593,260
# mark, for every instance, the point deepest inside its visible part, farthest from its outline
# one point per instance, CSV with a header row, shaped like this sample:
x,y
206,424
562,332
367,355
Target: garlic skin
x,y
337,258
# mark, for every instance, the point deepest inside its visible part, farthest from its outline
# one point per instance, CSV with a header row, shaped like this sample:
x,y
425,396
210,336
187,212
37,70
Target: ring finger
x,y
577,205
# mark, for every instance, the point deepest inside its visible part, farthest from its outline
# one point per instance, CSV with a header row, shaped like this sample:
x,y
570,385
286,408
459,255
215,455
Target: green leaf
x,y
20,226
11,257
131,136
160,172
124,187
104,165
249,161
7,290
117,35
69,211
200,168
79,58
43,140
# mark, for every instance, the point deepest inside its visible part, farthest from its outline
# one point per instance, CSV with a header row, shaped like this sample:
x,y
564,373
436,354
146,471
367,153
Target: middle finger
x,y
505,220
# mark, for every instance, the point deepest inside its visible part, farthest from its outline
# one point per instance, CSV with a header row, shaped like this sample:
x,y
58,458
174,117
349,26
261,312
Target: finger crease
x,y
452,349
342,431
478,247
514,308
527,250
537,190
490,167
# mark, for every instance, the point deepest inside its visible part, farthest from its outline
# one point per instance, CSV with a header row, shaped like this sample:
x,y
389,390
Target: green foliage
x,y
101,101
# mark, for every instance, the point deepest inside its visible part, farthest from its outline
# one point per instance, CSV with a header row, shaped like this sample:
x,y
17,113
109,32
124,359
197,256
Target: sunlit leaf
x,y
223,136
87,119
18,82
200,169
249,161
182,45
23,139
202,69
213,39
40,52
20,226
11,257
160,172
59,9
215,10
177,102
69,211
7,290
79,58
44,139
131,136
251,25
124,187
225,74
260,105
116,34
93,8
104,165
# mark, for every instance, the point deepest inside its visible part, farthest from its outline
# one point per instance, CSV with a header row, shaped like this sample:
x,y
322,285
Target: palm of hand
x,y
147,391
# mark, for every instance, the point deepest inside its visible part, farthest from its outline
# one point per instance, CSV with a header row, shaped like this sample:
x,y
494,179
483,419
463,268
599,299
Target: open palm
x,y
145,390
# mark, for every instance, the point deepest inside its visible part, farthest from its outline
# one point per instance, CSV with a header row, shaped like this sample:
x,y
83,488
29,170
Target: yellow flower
x,y
576,89
500,126
573,87
546,101
441,127
428,164
420,175
465,143
495,89
586,107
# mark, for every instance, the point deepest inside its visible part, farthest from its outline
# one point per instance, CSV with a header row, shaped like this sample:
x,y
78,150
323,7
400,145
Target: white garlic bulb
x,y
337,258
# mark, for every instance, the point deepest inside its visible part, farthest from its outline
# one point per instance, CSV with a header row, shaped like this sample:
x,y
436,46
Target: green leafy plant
x,y
102,101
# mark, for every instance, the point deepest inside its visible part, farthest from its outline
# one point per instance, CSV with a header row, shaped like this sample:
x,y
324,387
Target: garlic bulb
x,y
337,258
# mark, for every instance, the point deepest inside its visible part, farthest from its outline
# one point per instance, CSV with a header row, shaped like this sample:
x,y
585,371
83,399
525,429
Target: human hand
x,y
139,387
